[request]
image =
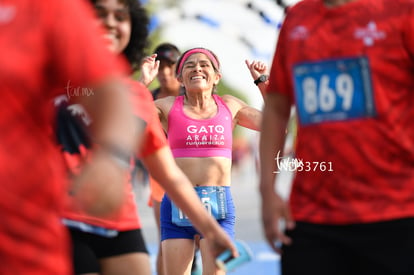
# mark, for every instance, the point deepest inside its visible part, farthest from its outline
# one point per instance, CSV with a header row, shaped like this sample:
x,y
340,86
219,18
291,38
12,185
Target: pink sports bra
x,y
210,137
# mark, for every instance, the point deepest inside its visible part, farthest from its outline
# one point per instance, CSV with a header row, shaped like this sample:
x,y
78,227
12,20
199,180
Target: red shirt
x,y
144,108
326,59
44,44
154,139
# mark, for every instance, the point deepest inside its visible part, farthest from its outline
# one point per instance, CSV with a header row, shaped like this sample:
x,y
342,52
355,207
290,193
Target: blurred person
x,y
199,125
347,67
42,48
240,151
114,244
165,56
161,65
109,245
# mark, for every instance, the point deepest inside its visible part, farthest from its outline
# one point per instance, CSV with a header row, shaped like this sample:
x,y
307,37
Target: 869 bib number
x,y
333,90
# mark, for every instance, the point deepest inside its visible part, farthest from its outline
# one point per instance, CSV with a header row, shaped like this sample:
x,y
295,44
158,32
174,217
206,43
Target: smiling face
x,y
115,17
198,73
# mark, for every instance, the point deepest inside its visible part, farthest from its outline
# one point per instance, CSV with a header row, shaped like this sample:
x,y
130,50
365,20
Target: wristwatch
x,y
262,78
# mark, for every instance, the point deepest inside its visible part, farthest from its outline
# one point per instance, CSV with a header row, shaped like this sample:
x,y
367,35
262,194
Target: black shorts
x,y
381,248
89,248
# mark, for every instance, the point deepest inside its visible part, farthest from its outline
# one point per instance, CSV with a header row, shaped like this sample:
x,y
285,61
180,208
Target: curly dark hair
x,y
135,50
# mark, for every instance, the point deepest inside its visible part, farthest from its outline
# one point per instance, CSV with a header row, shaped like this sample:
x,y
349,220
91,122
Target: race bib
x,y
212,197
333,90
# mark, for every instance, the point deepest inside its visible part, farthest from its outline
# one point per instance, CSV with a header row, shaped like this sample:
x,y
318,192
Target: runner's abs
x,y
213,171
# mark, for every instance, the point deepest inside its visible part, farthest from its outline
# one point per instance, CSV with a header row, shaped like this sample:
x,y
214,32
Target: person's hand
x,y
99,189
149,69
256,68
274,210
219,241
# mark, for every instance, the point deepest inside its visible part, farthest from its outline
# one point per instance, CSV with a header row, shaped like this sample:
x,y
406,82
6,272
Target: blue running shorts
x,y
169,230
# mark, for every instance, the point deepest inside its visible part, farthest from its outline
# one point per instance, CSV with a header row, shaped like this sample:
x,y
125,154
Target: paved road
x,y
248,224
